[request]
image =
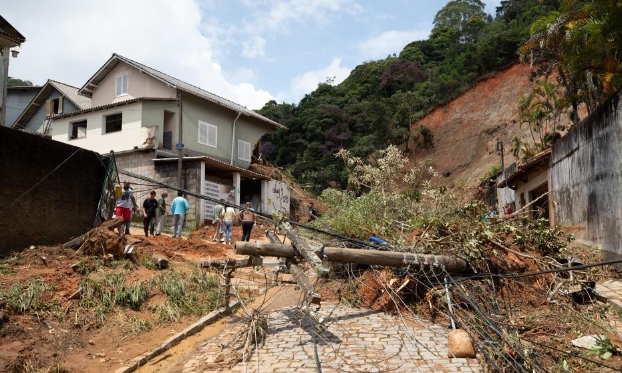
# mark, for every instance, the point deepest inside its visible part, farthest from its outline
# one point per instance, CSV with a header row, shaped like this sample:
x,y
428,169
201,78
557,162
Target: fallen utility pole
x,y
303,248
357,256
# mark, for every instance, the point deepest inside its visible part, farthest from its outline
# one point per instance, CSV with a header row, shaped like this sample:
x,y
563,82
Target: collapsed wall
x,y
49,191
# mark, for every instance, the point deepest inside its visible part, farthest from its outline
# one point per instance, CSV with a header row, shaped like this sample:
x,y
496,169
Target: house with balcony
x,y
147,118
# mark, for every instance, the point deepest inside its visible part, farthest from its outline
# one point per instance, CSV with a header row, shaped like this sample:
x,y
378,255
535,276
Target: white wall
x,y
132,134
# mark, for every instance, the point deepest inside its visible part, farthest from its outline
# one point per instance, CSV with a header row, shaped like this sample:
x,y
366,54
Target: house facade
x,y
526,186
53,98
147,118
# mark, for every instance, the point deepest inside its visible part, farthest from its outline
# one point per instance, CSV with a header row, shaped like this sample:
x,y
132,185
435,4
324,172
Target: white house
x,y
144,116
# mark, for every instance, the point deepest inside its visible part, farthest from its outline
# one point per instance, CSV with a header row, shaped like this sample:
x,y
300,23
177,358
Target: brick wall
x,y
50,190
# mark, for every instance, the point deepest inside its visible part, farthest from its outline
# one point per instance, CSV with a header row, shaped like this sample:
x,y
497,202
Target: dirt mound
x,y
43,323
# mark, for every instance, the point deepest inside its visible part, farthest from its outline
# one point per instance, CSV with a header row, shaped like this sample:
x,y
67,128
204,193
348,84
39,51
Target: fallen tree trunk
x,y
110,225
358,256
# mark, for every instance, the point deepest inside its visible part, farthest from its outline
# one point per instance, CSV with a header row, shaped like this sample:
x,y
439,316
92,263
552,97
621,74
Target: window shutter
x,y
60,105
203,133
212,136
48,108
244,150
124,80
118,83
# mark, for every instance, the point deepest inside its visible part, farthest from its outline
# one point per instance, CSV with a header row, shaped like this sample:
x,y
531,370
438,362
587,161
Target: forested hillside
x,y
380,100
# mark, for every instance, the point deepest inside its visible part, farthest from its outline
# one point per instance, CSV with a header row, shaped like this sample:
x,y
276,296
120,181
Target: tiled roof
x,y
92,83
114,104
71,93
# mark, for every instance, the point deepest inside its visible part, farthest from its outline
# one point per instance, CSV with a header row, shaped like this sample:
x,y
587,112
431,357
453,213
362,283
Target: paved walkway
x,y
351,340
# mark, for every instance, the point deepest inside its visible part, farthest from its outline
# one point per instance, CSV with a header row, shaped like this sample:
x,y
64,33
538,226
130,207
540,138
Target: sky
x,y
248,51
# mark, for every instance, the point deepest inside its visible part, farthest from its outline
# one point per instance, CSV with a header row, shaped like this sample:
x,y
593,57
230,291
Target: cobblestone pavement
x,y
350,340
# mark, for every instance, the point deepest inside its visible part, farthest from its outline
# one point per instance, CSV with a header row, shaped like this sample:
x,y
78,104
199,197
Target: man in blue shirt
x,y
179,206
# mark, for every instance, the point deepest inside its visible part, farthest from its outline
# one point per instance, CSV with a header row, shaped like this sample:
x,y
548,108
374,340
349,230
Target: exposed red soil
x,y
35,342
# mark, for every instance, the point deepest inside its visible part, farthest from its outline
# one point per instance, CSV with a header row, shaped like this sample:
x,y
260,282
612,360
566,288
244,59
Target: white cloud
x,y
389,42
69,40
255,47
308,81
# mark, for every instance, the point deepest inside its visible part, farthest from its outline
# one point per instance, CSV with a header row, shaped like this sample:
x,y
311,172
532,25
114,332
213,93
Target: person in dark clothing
x,y
150,208
248,220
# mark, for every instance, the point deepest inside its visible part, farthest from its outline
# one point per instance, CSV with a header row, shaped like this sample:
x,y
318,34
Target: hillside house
x,y
146,117
51,99
530,182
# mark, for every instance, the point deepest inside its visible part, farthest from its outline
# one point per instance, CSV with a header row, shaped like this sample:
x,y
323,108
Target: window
x,y
112,123
208,134
244,150
121,85
54,106
77,130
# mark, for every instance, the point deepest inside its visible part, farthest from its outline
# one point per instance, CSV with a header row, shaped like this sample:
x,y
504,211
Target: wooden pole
x,y
358,256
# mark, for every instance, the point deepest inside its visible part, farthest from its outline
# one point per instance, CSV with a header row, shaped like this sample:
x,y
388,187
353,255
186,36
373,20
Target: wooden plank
x,y
358,256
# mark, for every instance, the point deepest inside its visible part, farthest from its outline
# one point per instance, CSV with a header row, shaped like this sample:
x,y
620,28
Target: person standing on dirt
x,y
150,208
179,206
125,205
227,217
218,209
248,220
161,213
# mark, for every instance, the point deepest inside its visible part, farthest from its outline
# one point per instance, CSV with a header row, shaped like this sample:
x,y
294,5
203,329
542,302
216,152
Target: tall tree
x,y
466,16
582,44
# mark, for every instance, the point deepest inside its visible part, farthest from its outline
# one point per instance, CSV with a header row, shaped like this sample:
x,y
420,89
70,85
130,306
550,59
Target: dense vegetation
x,y
377,103
15,82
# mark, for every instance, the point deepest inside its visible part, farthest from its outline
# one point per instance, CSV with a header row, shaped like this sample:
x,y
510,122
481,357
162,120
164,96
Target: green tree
x,y
465,16
582,44
14,82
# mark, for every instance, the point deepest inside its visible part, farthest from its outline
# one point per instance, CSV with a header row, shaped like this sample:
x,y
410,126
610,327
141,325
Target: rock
x,y
91,342
100,354
586,341
459,344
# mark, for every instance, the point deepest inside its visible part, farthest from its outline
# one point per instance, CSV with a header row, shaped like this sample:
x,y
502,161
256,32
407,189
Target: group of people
x,y
223,221
126,206
154,210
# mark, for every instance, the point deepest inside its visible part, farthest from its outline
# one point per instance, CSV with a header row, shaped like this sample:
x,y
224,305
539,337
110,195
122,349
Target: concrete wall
x,y
141,162
49,191
586,180
17,100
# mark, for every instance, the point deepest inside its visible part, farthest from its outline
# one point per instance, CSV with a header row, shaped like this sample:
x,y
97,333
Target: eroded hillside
x,y
466,129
